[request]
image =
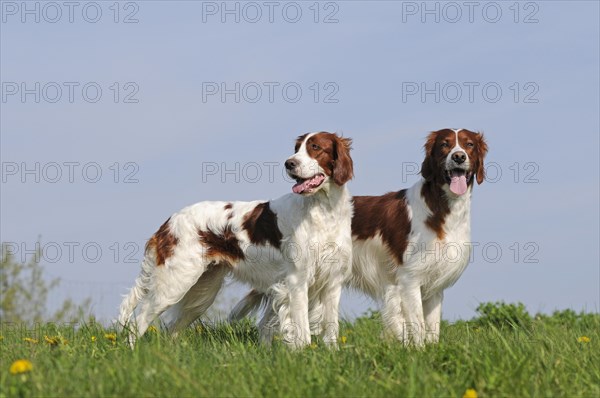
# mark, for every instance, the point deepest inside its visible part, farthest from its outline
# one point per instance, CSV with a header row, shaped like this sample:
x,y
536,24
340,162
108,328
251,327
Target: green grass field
x,y
494,355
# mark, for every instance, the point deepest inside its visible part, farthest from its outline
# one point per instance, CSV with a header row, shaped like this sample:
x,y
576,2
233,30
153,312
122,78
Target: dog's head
x,y
453,158
320,159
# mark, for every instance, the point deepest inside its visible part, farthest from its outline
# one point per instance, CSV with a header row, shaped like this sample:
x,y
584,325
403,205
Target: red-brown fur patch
x,y
222,246
386,215
437,147
163,242
437,202
227,209
476,152
261,225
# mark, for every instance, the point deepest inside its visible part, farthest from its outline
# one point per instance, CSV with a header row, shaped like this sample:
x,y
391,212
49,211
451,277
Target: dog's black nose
x,y
459,157
290,164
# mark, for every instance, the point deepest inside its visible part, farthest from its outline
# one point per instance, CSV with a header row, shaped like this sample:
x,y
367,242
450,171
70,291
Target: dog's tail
x,y
135,295
251,303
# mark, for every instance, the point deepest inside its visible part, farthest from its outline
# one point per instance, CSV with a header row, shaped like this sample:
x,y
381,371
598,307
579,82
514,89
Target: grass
x,y
545,357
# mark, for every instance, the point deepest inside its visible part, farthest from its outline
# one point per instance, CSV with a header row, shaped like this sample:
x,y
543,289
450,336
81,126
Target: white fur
x,y
304,273
307,166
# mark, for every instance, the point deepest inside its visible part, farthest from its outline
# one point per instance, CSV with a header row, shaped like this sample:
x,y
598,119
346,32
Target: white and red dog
x,y
410,245
279,247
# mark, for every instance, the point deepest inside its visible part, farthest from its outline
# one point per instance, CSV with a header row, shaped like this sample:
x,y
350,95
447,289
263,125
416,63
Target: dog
x,y
410,245
279,247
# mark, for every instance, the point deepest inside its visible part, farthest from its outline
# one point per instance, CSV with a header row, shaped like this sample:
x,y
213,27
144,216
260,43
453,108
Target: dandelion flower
x,y
343,339
93,339
583,339
111,336
20,366
470,393
53,341
30,340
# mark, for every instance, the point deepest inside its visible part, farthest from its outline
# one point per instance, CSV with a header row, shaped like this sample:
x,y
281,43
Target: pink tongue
x,y
300,187
458,184
307,184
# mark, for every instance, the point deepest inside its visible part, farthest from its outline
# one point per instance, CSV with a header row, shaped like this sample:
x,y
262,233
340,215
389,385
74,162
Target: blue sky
x,y
536,222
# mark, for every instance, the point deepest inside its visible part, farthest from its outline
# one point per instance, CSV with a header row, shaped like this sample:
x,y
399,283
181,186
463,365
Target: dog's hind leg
x,y
269,322
197,300
168,285
249,304
137,292
268,325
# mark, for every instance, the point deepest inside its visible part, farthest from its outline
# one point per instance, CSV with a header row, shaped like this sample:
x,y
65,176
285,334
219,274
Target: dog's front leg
x,y
331,327
432,310
412,309
295,327
391,313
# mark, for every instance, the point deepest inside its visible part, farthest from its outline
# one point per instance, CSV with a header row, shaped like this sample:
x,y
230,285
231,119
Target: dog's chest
x,y
326,224
328,234
439,262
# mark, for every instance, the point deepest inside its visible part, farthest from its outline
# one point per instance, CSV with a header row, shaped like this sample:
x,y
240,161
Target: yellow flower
x,y
20,366
470,393
93,339
56,340
583,339
152,329
30,340
343,339
52,340
111,336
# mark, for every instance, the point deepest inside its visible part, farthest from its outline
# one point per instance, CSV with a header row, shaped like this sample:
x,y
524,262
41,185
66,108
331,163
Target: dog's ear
x,y
482,149
428,166
343,168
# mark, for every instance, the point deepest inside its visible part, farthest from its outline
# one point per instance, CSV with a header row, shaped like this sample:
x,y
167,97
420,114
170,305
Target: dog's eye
x,y
470,145
445,145
315,147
